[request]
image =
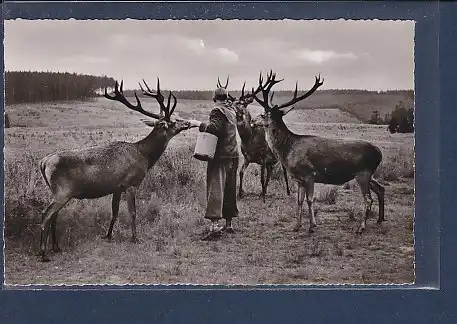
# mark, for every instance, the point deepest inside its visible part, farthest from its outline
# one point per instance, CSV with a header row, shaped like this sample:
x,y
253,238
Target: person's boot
x,y
214,231
228,226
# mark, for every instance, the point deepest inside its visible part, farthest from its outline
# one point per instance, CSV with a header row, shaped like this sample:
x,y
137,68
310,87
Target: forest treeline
x,y
27,86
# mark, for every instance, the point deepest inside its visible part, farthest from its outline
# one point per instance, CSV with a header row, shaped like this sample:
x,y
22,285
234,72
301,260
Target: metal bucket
x,y
205,147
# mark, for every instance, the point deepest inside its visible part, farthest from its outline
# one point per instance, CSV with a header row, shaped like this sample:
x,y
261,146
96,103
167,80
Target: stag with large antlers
x,y
313,159
254,146
109,169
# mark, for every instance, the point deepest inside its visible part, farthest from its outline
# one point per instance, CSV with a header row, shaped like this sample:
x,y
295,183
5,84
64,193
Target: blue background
x,y
435,79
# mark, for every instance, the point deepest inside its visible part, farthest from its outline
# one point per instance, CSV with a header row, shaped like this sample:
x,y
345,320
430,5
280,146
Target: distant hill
x,y
358,103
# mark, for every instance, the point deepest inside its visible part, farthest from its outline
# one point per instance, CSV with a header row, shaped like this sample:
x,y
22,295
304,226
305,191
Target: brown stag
x,y
254,146
313,159
109,169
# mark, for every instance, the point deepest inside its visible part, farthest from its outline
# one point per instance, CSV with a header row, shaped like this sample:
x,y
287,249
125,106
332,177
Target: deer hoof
x,y
44,258
297,227
360,230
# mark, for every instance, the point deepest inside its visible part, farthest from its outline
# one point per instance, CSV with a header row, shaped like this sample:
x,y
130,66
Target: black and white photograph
x,y
209,152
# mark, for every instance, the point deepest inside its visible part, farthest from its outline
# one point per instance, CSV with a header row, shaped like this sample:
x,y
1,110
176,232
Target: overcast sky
x,y
374,55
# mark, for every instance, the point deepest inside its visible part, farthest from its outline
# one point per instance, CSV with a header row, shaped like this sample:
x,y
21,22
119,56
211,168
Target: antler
x,y
296,99
119,96
160,99
265,88
219,85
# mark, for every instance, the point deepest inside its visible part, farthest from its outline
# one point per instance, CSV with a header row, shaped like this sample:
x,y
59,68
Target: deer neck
x,y
245,131
153,145
244,128
279,138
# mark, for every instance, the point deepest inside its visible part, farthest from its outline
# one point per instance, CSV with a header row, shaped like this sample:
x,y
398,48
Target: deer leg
x,y
55,245
262,180
284,171
50,212
132,211
243,168
300,199
115,212
43,215
379,191
363,179
309,187
267,179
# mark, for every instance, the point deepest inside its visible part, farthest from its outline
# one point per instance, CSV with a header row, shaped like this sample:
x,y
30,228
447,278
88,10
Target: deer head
x,y
162,121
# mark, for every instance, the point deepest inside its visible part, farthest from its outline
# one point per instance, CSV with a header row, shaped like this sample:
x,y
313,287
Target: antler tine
x,y
159,97
119,96
147,87
167,111
242,89
260,102
227,82
175,102
158,87
219,85
296,98
288,110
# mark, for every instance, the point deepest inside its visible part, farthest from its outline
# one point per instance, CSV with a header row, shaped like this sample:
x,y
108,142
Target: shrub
x,y
401,119
328,195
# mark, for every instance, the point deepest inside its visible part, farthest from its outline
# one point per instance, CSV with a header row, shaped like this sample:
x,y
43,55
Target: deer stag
x,y
253,144
312,159
109,169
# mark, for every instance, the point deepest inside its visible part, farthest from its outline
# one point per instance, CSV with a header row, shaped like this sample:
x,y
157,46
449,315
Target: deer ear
x,y
150,123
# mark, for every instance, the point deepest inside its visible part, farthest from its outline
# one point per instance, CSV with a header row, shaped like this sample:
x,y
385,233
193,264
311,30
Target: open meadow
x,y
171,204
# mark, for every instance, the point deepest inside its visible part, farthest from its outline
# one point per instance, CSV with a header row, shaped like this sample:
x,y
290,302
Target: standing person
x,y
222,169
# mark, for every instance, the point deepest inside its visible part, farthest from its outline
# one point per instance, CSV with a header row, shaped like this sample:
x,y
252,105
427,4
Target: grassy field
x,y
171,202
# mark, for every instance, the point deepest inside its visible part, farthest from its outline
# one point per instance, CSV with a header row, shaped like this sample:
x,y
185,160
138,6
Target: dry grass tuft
x,y
328,195
396,165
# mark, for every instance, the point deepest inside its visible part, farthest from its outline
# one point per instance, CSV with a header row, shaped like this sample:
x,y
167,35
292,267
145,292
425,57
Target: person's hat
x,y
220,94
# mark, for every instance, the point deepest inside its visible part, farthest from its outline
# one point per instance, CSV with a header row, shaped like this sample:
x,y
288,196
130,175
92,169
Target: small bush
x,y
294,257
316,250
328,195
153,208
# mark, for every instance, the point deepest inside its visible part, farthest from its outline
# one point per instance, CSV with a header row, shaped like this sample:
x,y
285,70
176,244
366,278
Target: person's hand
x,y
202,127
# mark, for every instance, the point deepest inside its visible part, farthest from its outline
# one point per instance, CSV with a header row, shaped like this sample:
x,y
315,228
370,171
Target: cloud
x,y
223,54
227,55
196,45
321,56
